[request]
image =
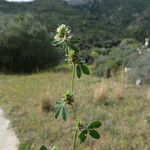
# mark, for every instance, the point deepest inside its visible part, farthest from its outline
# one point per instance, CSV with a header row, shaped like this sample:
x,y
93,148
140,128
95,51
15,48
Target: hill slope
x,y
98,23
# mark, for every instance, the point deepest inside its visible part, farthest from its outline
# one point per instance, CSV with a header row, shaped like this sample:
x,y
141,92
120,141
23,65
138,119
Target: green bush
x,y
25,45
122,55
105,70
94,54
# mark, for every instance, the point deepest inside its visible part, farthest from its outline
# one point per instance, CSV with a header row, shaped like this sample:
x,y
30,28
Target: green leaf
x,y
95,124
85,69
94,134
83,136
74,48
64,113
55,43
43,147
78,71
74,41
58,109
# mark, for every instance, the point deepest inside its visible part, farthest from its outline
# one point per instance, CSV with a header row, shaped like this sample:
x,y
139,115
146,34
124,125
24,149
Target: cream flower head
x,y
63,34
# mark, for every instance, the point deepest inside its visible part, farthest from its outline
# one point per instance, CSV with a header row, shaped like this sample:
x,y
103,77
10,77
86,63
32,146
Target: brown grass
x,y
46,103
126,123
109,90
101,92
148,94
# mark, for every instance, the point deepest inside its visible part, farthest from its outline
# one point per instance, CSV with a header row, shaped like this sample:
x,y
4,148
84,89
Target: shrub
x,y
101,60
126,48
141,68
122,55
25,45
94,54
105,69
101,51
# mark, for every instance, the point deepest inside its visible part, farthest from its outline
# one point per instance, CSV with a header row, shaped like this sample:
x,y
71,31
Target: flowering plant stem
x,y
64,39
73,77
74,110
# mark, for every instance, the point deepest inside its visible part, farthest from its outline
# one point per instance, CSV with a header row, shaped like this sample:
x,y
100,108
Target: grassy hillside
x,y
28,101
101,25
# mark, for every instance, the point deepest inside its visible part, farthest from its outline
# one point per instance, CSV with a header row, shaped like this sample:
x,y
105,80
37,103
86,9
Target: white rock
x,y
8,139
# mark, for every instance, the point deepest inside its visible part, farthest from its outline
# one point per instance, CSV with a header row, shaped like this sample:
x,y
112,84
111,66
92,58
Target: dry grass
x,y
126,124
148,94
109,90
101,92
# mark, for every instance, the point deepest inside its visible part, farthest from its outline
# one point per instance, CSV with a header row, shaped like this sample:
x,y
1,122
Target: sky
x,y
19,0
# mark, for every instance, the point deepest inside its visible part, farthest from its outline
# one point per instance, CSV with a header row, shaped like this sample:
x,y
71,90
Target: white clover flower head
x,y
63,34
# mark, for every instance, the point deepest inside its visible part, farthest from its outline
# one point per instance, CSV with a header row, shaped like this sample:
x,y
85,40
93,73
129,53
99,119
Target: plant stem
x,y
74,111
75,139
73,78
76,130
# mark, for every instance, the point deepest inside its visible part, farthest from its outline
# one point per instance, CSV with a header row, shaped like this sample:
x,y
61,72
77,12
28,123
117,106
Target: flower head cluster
x,y
73,57
68,98
63,34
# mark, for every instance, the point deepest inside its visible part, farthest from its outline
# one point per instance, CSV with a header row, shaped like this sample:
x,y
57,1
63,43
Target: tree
x,y
25,45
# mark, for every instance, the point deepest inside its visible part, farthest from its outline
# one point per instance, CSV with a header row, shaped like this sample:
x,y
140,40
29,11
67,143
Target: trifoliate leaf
x,y
60,110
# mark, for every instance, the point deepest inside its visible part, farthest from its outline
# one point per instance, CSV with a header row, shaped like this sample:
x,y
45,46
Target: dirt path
x,y
8,139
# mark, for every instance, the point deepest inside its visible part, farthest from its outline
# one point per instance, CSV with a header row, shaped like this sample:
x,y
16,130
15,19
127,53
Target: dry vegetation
x,y
28,102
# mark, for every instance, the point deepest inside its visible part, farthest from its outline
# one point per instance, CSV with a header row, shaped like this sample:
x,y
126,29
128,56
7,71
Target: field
x,y
28,101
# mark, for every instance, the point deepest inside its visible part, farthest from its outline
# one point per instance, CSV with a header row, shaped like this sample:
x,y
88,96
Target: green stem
x,y
76,130
75,139
73,78
74,110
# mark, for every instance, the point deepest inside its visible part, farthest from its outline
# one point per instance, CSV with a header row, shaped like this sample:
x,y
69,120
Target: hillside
x,y
98,23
